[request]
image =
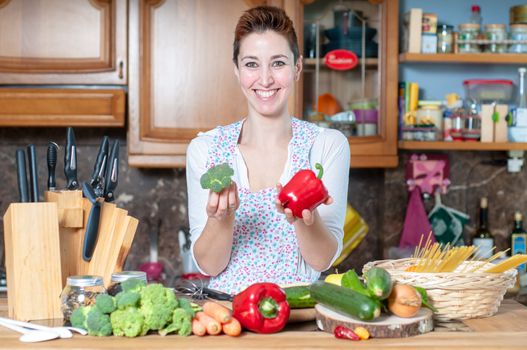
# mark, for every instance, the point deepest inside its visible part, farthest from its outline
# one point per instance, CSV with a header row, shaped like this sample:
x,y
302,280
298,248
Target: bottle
x,y
483,240
521,103
518,239
475,15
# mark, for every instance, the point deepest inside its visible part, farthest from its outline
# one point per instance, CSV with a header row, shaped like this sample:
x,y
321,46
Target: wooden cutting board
x,y
386,326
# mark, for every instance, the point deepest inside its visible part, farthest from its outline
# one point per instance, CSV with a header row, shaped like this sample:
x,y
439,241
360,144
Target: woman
x,y
243,235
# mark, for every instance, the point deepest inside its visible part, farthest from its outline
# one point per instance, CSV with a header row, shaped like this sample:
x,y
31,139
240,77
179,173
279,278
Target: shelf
x,y
461,146
311,62
483,58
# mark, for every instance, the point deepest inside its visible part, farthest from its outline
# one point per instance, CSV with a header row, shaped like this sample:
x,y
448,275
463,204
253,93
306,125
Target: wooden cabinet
x,y
181,74
47,45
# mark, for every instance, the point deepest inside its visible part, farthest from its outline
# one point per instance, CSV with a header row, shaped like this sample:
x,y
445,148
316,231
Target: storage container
x,y
518,32
119,277
488,91
468,31
80,291
496,33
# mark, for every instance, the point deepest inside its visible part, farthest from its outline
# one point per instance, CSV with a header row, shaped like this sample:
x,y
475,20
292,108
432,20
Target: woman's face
x,y
267,72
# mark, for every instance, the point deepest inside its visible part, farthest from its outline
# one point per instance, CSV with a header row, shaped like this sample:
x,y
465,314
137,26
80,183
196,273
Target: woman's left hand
x,y
308,216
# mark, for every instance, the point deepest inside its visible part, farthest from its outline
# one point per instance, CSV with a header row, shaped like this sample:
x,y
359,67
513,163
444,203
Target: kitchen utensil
x,y
153,268
33,172
112,172
92,226
63,332
21,175
70,161
31,336
187,261
52,162
99,169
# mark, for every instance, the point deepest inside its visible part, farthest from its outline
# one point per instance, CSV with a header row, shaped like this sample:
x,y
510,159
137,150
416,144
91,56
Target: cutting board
x,y
386,326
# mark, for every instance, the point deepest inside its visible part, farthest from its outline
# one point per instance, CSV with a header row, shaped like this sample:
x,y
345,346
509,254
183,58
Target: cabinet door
x,y
181,75
63,42
373,140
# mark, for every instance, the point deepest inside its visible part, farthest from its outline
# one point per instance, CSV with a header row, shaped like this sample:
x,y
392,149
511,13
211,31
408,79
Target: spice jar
x,y
445,38
119,277
80,291
497,33
430,114
468,31
518,32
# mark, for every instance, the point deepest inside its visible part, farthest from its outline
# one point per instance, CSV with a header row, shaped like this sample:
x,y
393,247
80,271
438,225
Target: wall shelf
x,y
461,146
482,58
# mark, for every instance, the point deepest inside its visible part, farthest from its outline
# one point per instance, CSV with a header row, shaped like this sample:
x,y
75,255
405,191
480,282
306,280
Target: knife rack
x,y
33,262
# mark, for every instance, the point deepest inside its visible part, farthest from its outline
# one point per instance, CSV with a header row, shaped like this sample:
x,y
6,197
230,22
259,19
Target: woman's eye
x,y
251,65
278,63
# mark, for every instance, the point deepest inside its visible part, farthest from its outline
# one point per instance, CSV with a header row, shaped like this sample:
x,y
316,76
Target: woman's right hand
x,y
222,206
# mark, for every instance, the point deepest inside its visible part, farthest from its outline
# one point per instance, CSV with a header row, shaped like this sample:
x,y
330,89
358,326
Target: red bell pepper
x,y
261,308
304,191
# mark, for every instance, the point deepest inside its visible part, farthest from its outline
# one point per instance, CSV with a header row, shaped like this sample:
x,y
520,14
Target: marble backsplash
x,y
379,195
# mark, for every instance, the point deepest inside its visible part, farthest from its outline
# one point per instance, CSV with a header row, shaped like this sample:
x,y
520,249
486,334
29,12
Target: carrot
x,y
232,328
218,312
198,328
212,326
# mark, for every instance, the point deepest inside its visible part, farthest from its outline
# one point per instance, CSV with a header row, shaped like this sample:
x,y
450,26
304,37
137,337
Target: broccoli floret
x,y
98,323
184,303
133,285
128,322
181,322
105,303
126,299
157,305
217,178
78,316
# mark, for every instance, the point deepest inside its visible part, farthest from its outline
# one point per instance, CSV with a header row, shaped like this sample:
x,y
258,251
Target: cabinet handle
x,y
121,65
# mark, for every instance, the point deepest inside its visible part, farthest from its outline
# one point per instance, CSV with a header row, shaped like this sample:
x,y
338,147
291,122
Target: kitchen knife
x,y
70,161
112,173
97,177
33,172
92,227
21,175
52,162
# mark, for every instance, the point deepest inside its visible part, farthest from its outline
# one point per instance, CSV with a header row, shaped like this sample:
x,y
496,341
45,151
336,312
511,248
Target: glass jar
x,y
119,277
518,32
80,291
496,32
445,38
468,31
430,114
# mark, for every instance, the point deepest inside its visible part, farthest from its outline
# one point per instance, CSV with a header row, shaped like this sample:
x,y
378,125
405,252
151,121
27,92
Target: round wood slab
x,y
386,326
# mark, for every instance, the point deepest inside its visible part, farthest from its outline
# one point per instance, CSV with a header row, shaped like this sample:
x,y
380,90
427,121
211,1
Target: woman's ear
x,y
298,67
237,72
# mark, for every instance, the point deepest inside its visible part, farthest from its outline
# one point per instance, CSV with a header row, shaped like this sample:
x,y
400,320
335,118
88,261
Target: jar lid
x,y
495,26
84,281
518,27
125,275
469,26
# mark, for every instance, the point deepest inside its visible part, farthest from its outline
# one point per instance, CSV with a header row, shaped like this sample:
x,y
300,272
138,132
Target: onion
x,y
404,300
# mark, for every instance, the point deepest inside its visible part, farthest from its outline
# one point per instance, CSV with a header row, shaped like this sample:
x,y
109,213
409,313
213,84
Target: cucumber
x,y
379,282
346,301
299,297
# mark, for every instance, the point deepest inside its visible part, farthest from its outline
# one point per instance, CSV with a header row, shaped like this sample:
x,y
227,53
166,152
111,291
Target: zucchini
x,y
299,297
351,280
346,301
379,282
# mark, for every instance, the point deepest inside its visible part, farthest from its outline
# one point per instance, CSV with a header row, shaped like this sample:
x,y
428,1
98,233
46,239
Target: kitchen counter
x,y
506,330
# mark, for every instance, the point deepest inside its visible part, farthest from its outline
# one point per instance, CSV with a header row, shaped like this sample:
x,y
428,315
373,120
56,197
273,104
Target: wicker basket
x,y
455,295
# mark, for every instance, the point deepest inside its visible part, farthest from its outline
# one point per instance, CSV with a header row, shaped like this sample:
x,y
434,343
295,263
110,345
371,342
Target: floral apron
x,y
265,247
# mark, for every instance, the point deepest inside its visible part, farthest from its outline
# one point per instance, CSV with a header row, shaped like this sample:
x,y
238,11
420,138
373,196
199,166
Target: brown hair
x,y
260,19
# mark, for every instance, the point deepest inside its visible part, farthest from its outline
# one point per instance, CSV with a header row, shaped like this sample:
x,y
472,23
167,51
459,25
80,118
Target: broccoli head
x,y
79,316
133,285
128,322
126,299
157,305
181,322
217,178
105,303
98,323
184,303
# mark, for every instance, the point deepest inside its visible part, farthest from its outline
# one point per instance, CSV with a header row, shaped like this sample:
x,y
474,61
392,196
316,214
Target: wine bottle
x,y
518,239
483,239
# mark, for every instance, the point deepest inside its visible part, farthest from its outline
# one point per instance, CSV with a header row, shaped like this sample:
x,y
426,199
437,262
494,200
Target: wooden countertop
x,y
506,330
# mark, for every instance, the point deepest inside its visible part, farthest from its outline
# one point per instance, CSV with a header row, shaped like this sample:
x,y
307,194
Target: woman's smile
x,y
266,94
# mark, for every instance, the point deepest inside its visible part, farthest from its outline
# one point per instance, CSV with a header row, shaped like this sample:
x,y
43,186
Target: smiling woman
x,y
243,235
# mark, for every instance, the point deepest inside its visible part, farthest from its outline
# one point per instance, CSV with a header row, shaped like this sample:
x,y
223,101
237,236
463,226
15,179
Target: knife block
x,y
33,264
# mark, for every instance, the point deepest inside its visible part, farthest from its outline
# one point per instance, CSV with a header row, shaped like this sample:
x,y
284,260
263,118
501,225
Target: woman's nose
x,y
266,76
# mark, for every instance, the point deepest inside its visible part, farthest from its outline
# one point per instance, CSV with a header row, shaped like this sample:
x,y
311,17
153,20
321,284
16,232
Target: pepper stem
x,y
268,308
320,170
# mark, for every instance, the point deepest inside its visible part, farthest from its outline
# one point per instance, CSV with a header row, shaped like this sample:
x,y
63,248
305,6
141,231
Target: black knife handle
x,y
99,168
216,294
33,172
21,175
52,163
70,161
92,228
112,173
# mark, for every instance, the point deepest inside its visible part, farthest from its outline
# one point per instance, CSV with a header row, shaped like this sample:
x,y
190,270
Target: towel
x,y
416,222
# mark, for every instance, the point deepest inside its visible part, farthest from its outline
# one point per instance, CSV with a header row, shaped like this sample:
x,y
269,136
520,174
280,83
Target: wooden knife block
x,y
33,263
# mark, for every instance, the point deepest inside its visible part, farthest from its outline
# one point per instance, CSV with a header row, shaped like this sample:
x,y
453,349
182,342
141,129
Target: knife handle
x,y
52,163
112,173
70,160
21,175
92,229
100,163
33,172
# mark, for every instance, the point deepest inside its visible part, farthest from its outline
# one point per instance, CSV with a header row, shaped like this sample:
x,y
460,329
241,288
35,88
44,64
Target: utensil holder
x,y
33,261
